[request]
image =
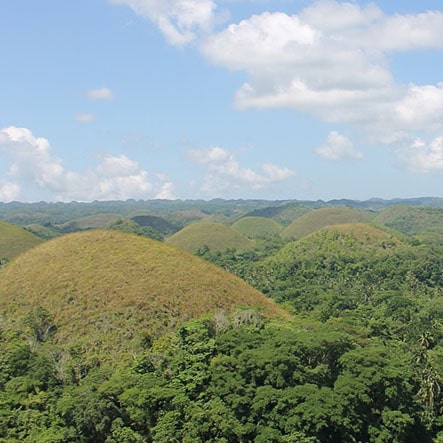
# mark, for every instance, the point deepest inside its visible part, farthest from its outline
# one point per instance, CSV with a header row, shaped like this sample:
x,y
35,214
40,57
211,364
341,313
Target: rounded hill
x,y
216,236
319,218
105,290
253,227
15,240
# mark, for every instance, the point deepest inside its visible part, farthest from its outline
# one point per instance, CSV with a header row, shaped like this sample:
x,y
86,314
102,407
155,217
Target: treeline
x,y
220,379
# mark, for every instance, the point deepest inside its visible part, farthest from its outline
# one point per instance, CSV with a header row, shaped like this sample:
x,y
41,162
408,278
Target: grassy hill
x,y
283,215
317,219
106,291
253,227
158,223
426,223
96,221
216,236
344,266
15,240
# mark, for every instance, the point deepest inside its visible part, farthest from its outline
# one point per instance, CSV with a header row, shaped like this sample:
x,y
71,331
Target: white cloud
x,y
9,191
33,165
338,147
331,61
166,192
84,118
424,157
180,21
224,172
100,94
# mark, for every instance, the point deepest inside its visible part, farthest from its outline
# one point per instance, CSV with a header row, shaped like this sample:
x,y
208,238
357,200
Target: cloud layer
x,y
223,172
116,177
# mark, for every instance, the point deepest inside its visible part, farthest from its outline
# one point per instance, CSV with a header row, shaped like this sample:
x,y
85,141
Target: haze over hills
x,y
104,289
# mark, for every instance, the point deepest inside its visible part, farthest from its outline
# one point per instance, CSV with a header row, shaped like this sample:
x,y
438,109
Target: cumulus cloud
x,y
331,60
100,94
424,157
33,164
338,147
181,21
84,118
224,172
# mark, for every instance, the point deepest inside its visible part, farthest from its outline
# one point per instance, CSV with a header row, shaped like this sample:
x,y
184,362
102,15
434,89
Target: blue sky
x,y
272,99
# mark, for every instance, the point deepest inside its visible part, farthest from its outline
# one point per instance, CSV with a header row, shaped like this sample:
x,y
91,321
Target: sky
x,y
202,99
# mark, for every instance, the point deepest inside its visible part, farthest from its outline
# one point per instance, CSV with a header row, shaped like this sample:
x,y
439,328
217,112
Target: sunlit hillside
x,y
106,290
216,236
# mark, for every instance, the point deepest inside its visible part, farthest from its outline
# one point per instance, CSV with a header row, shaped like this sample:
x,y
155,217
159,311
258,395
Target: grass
x,y
105,290
253,227
96,221
317,219
216,236
15,240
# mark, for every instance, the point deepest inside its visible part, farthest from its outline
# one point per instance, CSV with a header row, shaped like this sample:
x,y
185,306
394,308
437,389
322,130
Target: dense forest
x,y
352,353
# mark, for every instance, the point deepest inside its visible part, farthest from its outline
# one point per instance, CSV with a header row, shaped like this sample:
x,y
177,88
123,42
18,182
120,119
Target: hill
x,y
215,236
15,240
319,218
283,215
426,223
104,291
158,223
341,267
253,227
96,221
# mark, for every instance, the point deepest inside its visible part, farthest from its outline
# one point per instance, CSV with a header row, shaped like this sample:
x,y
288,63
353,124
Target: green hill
x,y
253,227
426,223
319,218
283,215
215,236
158,223
342,267
15,240
104,290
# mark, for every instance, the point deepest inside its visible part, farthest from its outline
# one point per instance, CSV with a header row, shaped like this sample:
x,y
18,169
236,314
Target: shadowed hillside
x,y
215,236
253,227
15,240
317,219
106,290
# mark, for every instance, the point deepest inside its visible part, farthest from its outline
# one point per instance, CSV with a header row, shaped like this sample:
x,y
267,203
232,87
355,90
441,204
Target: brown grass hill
x,y
106,291
216,236
96,221
15,240
319,218
253,227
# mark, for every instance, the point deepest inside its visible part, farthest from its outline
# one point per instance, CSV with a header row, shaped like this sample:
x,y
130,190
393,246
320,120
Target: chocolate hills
x,y
105,291
15,240
216,236
253,227
319,218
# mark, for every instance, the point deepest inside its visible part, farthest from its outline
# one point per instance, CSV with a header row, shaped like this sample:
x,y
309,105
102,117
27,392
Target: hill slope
x,y
15,240
317,219
257,226
215,236
104,289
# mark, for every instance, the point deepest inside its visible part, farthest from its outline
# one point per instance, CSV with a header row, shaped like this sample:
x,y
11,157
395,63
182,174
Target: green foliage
x,y
131,227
